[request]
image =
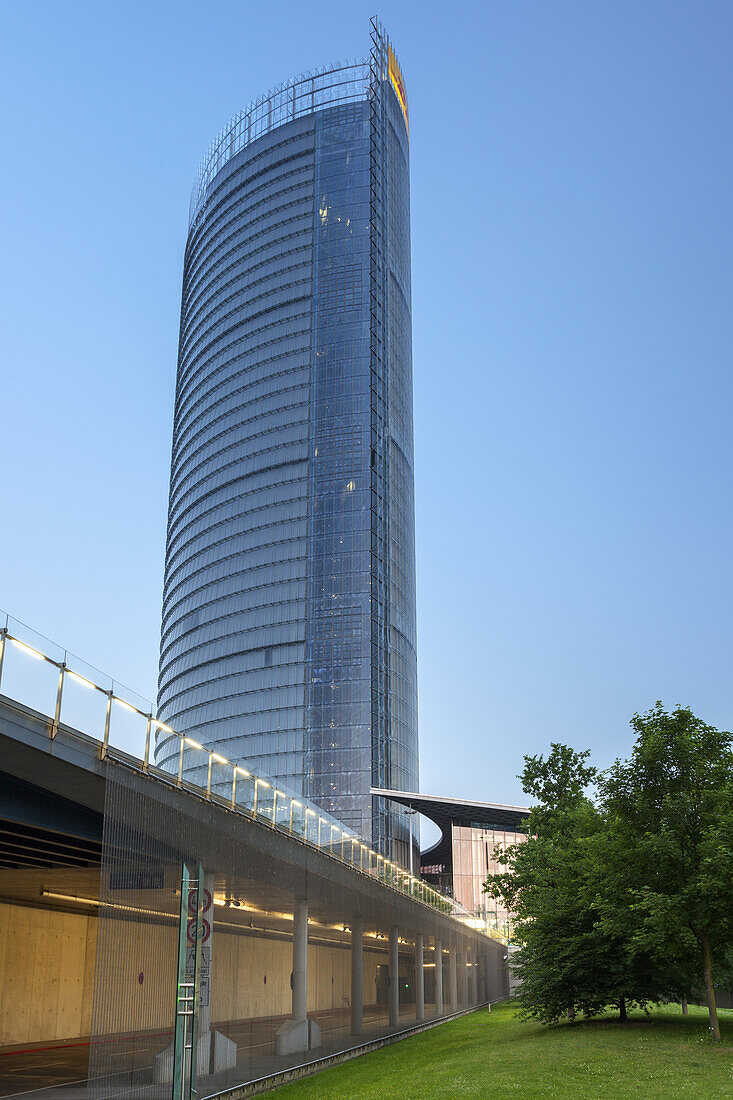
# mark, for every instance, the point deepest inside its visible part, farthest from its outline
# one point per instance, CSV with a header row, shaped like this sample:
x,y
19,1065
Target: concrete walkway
x,y
59,1070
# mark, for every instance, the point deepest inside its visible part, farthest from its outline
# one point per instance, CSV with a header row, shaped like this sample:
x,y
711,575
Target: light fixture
x,y
80,679
126,705
108,905
68,897
28,649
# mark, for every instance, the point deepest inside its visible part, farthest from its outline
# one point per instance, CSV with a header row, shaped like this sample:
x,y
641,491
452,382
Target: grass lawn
x,y
496,1055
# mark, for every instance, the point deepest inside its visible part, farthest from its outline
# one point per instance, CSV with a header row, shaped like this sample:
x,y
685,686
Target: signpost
x,y
190,935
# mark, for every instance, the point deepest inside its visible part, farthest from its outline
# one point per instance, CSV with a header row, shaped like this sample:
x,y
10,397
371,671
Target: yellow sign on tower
x,y
395,76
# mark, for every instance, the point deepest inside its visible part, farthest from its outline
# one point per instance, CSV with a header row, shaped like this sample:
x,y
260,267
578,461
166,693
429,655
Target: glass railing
x,y
489,925
74,696
330,86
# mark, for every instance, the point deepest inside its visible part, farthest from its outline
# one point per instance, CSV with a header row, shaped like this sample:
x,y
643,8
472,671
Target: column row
x,y
412,976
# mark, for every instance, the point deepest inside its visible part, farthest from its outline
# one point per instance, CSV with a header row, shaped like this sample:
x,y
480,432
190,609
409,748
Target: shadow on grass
x,y
659,1018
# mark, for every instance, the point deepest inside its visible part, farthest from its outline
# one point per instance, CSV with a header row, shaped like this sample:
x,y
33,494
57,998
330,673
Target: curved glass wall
x,y
288,639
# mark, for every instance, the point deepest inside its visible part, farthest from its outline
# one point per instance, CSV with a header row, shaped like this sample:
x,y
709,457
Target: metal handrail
x,y
329,86
281,810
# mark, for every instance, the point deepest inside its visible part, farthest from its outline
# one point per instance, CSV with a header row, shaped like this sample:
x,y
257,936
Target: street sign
x,y
205,977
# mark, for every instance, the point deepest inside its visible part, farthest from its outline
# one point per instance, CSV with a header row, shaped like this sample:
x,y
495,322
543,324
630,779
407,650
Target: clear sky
x,y
572,263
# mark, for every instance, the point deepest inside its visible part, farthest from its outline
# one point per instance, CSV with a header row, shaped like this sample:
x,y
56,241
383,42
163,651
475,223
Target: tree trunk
x,y
709,991
571,1013
622,1010
684,1008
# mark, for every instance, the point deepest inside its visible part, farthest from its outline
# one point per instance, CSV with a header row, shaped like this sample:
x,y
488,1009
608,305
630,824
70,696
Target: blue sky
x,y
572,224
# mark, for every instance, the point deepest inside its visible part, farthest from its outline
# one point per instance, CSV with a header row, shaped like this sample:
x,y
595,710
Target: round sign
x,y
193,898
205,930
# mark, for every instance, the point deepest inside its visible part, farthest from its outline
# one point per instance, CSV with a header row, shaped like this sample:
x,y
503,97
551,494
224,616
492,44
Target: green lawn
x,y
495,1056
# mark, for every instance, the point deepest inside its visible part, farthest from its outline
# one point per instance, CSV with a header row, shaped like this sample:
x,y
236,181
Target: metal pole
x,y
107,718
59,695
146,761
3,636
207,955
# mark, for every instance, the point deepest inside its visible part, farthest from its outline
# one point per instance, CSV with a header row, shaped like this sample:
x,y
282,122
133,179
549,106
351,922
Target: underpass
x,y
92,844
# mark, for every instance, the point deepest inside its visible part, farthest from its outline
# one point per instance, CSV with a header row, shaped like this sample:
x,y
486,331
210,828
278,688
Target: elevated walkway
x,y
294,918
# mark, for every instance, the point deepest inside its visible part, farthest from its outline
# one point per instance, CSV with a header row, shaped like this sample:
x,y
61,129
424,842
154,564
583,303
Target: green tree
x,y
569,960
669,811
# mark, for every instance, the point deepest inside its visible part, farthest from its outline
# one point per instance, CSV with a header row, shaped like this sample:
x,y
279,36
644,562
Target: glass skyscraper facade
x,y
289,636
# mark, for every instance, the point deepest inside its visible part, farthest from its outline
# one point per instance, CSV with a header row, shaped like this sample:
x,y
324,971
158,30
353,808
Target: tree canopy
x,y
623,890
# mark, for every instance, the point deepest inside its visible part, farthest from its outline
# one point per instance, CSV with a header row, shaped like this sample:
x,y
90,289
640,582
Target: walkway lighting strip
x,y
107,904
30,650
80,679
389,872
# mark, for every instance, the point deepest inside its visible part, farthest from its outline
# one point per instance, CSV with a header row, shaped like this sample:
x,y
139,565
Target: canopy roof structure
x,y
459,811
446,812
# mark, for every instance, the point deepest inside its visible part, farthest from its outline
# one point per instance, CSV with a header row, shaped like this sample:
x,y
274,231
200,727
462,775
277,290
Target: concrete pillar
x,y
300,960
453,978
466,976
357,977
462,976
438,977
394,977
474,976
419,978
467,957
299,1034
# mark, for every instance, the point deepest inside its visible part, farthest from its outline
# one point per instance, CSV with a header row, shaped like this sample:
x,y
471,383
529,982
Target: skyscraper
x,y
288,636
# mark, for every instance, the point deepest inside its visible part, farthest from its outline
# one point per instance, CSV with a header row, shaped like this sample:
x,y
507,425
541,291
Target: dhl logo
x,y
398,84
